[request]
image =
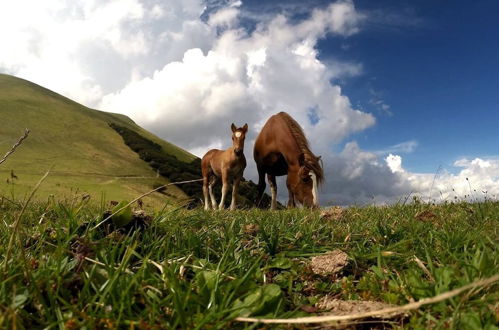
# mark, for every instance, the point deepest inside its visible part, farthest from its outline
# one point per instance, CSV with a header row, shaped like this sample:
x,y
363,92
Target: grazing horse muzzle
x,y
315,193
309,204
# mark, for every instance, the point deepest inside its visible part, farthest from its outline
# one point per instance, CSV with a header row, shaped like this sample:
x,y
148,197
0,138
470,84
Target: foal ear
x,y
233,127
245,128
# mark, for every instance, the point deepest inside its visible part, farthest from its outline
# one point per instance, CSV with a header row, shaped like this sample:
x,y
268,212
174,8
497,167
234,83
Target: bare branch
x,y
21,139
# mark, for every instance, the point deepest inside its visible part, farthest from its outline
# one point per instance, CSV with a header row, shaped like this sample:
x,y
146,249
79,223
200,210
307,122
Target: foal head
x,y
238,136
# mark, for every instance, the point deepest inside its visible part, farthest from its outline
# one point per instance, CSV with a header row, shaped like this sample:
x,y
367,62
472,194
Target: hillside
x,y
86,155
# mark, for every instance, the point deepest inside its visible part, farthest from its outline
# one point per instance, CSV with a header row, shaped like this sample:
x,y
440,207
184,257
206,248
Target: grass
x,y
196,269
77,142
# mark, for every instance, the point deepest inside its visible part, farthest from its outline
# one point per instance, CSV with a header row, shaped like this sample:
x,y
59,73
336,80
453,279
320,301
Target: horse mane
x,y
311,161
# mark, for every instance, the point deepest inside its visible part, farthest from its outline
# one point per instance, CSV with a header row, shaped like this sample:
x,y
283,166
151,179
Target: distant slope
x,y
85,154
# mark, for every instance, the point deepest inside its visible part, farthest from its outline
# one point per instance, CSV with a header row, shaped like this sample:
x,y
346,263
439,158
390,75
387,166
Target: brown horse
x,y
281,148
226,164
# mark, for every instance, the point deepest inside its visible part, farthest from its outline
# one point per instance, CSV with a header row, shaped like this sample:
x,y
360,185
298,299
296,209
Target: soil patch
x,y
329,263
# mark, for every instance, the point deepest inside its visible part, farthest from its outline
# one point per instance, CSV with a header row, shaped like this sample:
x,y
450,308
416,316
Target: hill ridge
x,y
74,139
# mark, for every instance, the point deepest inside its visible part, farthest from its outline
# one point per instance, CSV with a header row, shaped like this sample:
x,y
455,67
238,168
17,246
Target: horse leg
x,y
205,192
213,181
261,186
235,187
291,200
273,190
225,186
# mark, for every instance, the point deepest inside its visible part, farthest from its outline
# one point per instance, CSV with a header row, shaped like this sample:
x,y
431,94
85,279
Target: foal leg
x,y
235,186
273,190
213,181
205,193
225,187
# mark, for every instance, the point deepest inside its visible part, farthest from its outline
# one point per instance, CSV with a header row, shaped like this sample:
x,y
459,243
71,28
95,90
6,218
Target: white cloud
x,y
403,147
355,176
226,17
394,162
476,179
246,78
340,17
85,49
360,177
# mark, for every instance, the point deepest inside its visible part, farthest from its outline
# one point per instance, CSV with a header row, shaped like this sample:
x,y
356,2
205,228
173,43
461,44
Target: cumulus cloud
x,y
476,179
246,78
355,176
394,162
86,49
359,177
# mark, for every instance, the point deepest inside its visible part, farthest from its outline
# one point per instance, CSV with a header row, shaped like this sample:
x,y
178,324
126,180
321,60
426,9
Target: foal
x,y
226,164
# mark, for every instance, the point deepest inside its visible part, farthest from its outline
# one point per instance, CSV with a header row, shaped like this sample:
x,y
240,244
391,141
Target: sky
x,y
398,97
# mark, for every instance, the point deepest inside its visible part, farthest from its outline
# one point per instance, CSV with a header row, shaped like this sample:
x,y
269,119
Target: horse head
x,y
305,185
238,136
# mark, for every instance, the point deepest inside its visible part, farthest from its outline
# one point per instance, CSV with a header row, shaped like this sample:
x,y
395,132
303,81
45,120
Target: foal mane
x,y
311,161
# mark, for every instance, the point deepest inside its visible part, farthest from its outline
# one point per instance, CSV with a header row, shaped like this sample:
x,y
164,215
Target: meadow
x,y
77,144
195,269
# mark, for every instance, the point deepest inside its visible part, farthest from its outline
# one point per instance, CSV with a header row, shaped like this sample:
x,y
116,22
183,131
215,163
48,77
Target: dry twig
x,y
21,139
423,267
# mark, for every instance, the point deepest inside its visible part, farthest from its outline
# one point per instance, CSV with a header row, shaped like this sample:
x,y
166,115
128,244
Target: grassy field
x,y
76,142
196,269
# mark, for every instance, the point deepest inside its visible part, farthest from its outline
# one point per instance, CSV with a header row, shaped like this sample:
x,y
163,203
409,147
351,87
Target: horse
x,y
225,164
281,148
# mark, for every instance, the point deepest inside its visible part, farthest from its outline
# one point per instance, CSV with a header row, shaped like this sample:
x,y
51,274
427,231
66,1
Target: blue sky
x,y
387,91
440,77
434,63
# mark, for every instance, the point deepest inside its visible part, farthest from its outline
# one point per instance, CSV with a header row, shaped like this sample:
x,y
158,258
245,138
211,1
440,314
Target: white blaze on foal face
x,y
238,140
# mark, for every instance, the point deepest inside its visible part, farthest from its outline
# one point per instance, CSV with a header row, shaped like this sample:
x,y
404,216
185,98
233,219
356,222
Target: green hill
x,y
86,155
